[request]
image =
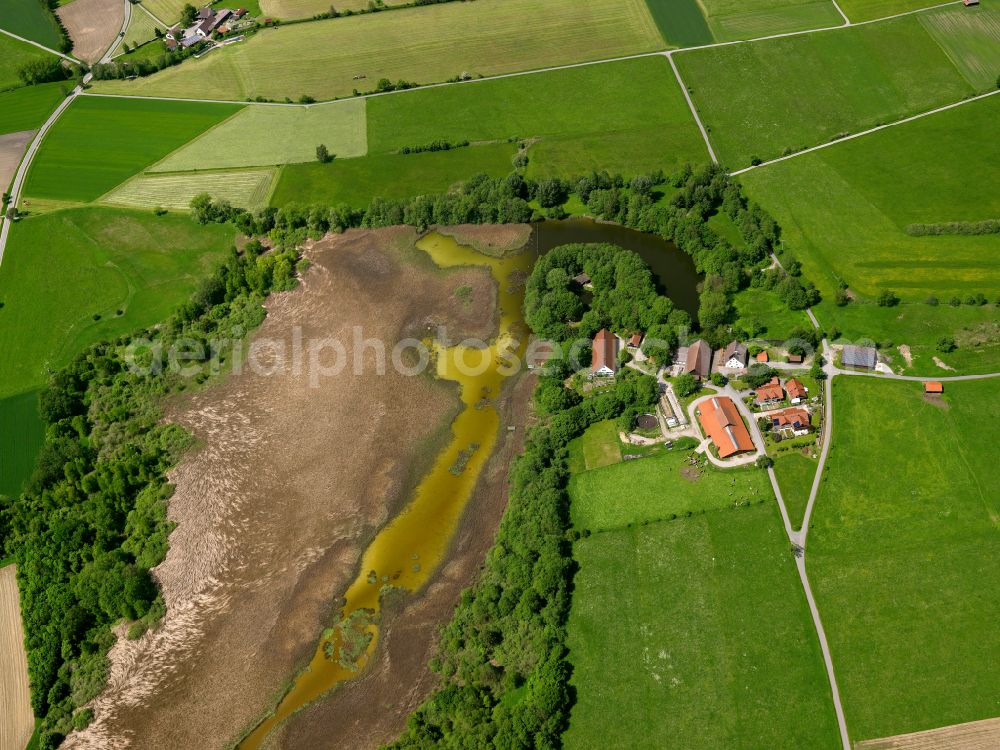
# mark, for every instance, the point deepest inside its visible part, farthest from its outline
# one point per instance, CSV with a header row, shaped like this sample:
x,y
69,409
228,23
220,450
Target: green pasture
x,y
844,209
168,11
66,276
795,473
100,142
971,39
357,181
681,22
30,19
731,20
263,136
628,116
28,107
976,331
760,308
695,634
867,10
309,8
598,446
766,98
141,29
21,434
903,554
423,45
13,55
658,488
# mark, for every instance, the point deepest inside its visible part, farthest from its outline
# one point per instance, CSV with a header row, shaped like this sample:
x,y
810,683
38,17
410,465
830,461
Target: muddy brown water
x,y
407,552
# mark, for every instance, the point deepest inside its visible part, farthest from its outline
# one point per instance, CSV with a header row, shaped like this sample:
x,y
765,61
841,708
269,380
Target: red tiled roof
x,y
604,351
771,391
635,340
795,389
721,421
793,417
933,386
762,357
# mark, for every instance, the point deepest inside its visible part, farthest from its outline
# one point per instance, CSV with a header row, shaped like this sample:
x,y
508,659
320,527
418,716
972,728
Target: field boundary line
x,y
185,145
690,103
851,137
40,46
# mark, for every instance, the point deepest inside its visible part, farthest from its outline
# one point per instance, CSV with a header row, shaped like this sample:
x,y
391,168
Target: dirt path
x,y
290,484
92,25
16,720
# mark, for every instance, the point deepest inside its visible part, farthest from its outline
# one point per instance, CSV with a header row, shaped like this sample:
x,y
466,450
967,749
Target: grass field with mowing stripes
x,y
757,104
936,169
627,117
27,108
168,11
265,136
903,554
866,10
30,19
21,434
356,181
971,38
422,45
248,188
100,142
695,633
742,19
61,269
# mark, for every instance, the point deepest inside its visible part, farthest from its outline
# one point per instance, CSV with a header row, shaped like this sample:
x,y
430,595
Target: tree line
x,y
92,519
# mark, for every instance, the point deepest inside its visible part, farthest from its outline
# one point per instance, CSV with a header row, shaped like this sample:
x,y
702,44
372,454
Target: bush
x,y
323,155
946,344
719,380
887,298
686,384
764,462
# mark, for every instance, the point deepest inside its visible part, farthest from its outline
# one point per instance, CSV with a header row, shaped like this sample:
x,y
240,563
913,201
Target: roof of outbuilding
x,y
859,356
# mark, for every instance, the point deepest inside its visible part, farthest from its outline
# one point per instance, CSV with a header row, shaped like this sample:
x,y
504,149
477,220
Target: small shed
x,y
933,386
762,357
795,359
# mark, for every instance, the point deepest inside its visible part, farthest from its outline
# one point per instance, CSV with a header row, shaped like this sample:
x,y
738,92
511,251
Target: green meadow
x,y
28,107
844,209
695,633
681,22
598,446
903,554
763,310
732,20
757,104
795,473
74,277
141,29
13,55
265,136
422,45
30,19
866,10
356,181
658,488
21,434
628,116
971,38
100,142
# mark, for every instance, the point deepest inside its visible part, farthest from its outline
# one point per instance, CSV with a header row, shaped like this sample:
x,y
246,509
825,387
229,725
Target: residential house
x,y
797,393
795,419
770,393
933,386
735,356
604,361
539,353
698,360
721,421
859,356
